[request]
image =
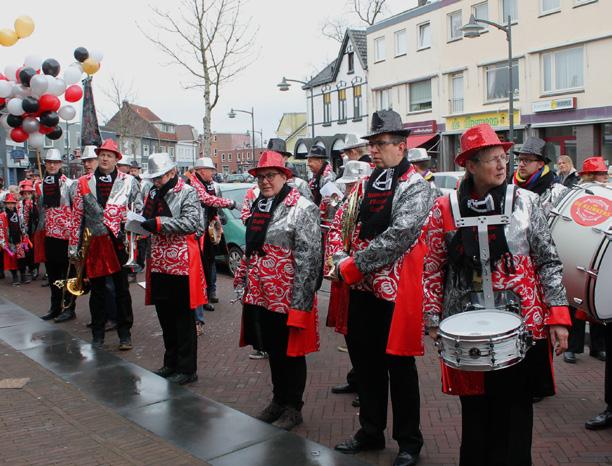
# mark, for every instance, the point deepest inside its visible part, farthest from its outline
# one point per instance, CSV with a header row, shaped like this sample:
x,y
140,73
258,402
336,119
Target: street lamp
x,y
473,29
284,86
232,114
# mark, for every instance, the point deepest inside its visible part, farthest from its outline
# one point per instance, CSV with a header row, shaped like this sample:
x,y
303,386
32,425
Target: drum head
x,y
480,323
603,291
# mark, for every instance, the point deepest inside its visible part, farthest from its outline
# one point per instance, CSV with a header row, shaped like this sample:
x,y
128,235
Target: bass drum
x,y
581,226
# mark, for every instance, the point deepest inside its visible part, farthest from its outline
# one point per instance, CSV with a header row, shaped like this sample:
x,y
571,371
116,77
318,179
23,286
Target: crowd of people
x,y
401,258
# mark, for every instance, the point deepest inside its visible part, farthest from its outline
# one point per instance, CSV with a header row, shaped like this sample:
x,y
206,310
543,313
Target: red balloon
x,y
48,102
42,129
2,101
73,93
19,135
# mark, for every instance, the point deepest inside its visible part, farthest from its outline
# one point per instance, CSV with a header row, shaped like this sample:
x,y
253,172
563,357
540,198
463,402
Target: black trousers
x,y
170,294
56,265
369,321
608,376
288,373
98,304
576,336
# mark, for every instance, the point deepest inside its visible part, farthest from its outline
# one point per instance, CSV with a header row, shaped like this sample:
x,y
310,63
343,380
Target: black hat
x,y
534,146
386,121
317,152
279,145
135,164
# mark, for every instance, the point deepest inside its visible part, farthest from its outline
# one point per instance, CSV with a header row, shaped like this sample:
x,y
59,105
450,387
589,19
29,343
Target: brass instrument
x,y
348,225
215,231
76,285
131,247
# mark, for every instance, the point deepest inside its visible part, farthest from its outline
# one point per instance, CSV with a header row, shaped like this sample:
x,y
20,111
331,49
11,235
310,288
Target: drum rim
x,y
473,338
604,247
486,368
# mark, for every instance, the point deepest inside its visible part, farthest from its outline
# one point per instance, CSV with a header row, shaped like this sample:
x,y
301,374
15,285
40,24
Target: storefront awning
x,y
419,139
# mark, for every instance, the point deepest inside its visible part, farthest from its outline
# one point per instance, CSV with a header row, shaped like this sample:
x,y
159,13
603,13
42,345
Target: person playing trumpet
x,y
101,203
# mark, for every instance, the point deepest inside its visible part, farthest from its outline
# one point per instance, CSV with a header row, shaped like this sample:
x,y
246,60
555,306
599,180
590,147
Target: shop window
x,y
424,36
454,26
497,80
456,85
509,8
401,42
327,107
379,49
420,96
357,101
341,105
563,70
384,99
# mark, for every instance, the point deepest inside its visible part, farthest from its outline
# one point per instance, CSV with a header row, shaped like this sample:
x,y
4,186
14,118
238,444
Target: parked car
x,y
239,178
448,181
233,228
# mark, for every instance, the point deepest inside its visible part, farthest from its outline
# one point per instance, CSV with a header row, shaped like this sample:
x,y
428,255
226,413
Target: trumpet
x,y
76,286
131,245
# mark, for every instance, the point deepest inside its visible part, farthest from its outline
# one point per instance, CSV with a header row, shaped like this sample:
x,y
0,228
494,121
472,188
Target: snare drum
x,y
581,226
485,340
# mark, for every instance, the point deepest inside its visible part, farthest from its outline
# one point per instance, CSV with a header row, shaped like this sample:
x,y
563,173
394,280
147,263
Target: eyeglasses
x,y
525,161
503,159
267,177
378,144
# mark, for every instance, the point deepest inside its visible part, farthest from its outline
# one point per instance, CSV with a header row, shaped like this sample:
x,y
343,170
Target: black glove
x,y
234,205
150,225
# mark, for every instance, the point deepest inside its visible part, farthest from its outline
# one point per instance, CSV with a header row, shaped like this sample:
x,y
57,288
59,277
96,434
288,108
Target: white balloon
x,y
72,75
4,123
6,89
19,90
38,85
10,72
36,140
33,61
67,112
56,87
15,107
96,55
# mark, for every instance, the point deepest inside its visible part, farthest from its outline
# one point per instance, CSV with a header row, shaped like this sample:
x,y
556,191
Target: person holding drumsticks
x,y
497,411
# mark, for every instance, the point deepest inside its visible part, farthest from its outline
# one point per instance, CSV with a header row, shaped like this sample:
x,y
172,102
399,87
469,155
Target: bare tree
x,y
118,93
210,43
361,11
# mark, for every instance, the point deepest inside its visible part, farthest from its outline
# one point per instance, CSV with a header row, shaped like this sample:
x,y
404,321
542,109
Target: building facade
x,y
441,83
232,152
291,127
187,146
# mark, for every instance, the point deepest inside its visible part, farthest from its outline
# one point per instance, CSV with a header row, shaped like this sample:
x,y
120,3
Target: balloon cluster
x,y
90,62
24,27
30,106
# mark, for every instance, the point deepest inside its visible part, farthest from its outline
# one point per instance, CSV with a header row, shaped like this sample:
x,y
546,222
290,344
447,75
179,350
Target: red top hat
x,y
26,185
594,165
476,138
271,159
10,197
110,146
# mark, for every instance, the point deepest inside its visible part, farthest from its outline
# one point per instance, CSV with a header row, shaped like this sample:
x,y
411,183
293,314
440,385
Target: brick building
x,y
232,152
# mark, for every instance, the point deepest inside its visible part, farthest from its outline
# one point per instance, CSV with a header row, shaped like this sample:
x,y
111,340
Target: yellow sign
x,y
495,119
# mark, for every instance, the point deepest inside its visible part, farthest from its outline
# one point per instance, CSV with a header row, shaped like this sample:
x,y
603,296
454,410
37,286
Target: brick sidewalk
x,y
52,422
228,376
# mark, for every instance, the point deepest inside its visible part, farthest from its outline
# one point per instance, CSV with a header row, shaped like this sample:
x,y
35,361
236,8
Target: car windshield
x,y
235,194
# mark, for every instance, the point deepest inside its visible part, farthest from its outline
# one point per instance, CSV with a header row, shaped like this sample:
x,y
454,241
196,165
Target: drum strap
x,y
482,223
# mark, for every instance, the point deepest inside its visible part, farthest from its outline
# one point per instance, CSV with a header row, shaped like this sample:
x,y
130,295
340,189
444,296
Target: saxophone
x,y
76,286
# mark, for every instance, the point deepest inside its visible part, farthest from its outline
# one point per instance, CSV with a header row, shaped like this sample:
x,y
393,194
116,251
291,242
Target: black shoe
x,y
356,403
125,344
353,446
97,343
164,372
209,307
26,278
405,458
289,419
183,379
212,298
601,421
344,388
569,357
537,399
65,316
271,412
52,314
601,355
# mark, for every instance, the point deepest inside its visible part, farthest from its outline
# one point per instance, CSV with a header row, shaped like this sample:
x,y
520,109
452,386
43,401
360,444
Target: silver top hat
x,y
204,162
158,164
351,141
354,170
418,154
89,152
124,161
53,155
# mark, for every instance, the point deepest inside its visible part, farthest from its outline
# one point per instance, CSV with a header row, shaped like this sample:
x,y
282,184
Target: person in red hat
x,y
277,279
594,169
522,265
101,203
13,240
29,211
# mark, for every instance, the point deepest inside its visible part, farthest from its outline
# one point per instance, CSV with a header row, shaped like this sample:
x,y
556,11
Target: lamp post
x,y
284,86
473,29
232,114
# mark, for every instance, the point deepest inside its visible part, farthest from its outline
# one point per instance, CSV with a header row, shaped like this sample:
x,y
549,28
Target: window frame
x,y
342,105
377,57
398,53
410,103
379,99
350,62
516,83
504,18
544,12
420,45
554,89
357,101
473,11
453,98
449,24
326,107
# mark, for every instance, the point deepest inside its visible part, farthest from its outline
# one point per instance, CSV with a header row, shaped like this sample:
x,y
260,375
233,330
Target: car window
x,y
235,195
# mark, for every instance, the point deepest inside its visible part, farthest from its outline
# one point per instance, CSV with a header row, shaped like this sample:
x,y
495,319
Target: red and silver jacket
x,y
374,265
18,250
286,276
56,222
88,213
207,199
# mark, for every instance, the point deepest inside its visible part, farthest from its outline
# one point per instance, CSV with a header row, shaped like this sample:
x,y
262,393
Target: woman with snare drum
x,y
522,270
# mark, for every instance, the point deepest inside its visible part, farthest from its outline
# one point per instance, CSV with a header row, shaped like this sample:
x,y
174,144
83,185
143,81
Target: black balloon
x,y
25,75
30,105
81,54
14,121
49,119
51,66
55,134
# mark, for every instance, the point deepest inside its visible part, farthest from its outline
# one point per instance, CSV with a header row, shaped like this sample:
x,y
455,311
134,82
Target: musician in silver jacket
x,y
175,282
277,278
98,240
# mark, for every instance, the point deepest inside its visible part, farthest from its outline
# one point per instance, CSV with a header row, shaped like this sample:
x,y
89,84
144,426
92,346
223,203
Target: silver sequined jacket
x,y
286,276
56,222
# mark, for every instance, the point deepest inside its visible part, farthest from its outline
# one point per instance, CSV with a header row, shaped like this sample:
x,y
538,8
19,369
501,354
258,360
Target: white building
x,y
186,146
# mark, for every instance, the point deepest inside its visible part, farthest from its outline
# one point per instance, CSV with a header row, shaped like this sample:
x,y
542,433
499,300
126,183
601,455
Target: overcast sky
x,y
289,42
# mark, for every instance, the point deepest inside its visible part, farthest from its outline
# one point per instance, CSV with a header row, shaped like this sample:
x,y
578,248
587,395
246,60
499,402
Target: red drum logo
x,y
589,211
